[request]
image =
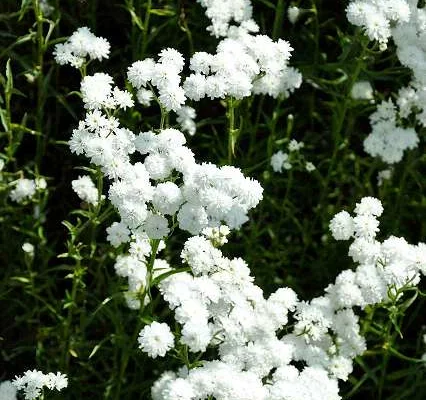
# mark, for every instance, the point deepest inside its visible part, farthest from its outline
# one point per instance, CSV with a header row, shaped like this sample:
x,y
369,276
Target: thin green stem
x,y
40,42
76,279
279,18
145,34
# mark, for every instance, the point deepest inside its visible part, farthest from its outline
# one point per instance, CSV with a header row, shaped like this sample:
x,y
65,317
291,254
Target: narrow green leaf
x,y
162,12
21,279
9,78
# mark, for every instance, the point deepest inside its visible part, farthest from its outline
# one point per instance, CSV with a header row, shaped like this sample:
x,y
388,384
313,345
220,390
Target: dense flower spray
x,y
219,307
156,185
33,382
404,22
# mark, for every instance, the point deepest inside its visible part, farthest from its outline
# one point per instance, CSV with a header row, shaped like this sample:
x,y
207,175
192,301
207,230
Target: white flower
x,y
144,96
118,234
172,98
156,226
96,90
141,72
122,98
293,14
24,189
310,167
196,335
279,160
167,198
85,189
185,117
369,206
156,339
28,248
294,145
342,226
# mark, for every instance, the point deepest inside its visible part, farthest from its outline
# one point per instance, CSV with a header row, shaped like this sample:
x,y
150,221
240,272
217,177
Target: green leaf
x,y
3,119
161,277
9,79
136,20
24,7
73,353
162,12
21,279
69,226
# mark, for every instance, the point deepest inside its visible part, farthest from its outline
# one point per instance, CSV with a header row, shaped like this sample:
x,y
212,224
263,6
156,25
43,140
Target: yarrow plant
x,y
192,262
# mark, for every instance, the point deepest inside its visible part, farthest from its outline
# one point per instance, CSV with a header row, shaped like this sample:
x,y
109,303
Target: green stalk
x,y
279,18
233,132
40,78
76,279
145,34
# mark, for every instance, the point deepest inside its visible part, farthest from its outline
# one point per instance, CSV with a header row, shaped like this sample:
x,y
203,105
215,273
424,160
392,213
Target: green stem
x,y
289,185
40,78
316,33
145,34
385,362
76,279
278,21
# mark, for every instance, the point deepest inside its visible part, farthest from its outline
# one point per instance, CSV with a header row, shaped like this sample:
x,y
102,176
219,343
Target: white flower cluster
x,y
378,16
207,196
409,38
32,383
388,140
97,92
81,44
85,189
328,324
394,262
223,12
284,161
244,64
150,196
218,306
406,24
164,75
25,189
